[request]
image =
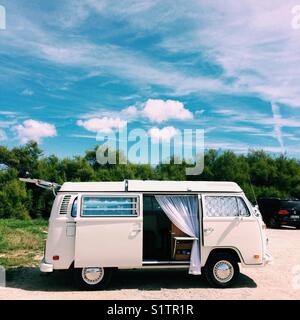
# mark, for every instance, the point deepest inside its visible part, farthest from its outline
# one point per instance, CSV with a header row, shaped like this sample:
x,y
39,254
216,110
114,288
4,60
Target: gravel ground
x,y
281,280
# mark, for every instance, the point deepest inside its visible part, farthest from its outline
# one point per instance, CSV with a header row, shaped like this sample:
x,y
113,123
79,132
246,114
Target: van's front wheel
x,y
222,270
93,278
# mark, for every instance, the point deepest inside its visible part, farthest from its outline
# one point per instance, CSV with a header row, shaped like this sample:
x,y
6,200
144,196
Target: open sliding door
x,y
109,230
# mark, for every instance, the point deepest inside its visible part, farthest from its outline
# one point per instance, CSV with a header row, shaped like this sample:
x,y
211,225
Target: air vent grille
x,y
64,204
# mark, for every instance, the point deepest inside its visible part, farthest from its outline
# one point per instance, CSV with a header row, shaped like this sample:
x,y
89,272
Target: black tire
x,y
273,223
228,261
98,284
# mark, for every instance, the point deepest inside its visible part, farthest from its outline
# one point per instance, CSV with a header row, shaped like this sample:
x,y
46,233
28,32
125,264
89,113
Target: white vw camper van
x,y
206,227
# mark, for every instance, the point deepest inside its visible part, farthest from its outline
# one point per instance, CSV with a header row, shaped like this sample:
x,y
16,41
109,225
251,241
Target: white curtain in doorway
x,y
183,212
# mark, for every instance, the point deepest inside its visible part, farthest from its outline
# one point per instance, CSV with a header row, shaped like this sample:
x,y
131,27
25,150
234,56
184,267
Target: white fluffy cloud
x,y
165,133
130,113
104,124
155,110
162,110
34,130
3,135
27,92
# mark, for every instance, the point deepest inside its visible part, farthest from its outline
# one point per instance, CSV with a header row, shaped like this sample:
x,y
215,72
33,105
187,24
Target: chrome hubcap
x,y
92,275
223,271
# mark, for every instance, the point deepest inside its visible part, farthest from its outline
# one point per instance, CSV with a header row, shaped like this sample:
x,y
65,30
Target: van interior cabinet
x,y
181,250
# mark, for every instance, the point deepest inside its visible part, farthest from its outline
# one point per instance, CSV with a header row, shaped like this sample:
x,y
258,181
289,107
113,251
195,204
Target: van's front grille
x,y
65,204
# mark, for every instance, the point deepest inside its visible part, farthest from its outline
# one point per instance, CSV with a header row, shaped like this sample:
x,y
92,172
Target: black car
x,y
277,212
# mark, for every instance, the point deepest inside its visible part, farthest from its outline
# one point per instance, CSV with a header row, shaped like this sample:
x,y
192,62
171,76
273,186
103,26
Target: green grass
x,y
21,242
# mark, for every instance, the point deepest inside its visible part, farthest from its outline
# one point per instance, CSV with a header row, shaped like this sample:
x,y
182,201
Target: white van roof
x,y
151,186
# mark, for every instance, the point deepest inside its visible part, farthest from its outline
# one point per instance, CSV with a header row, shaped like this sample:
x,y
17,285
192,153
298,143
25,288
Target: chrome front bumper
x,y
46,267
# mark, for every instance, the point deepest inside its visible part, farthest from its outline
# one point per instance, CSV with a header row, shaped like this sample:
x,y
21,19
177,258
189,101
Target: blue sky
x,y
69,69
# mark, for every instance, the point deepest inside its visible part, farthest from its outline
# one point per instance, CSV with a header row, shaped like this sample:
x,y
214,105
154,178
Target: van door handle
x,y
136,227
208,230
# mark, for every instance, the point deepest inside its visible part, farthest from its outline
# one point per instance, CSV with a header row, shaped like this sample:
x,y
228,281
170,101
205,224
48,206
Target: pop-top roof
x,y
151,186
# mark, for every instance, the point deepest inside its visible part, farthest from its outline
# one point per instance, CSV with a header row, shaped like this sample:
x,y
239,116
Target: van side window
x,y
74,209
218,206
243,210
109,206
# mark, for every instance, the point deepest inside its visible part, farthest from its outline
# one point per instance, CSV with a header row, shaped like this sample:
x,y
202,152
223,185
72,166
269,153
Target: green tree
x,y
258,173
14,199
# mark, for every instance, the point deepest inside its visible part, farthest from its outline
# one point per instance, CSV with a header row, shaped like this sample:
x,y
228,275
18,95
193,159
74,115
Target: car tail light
x,y
283,212
55,258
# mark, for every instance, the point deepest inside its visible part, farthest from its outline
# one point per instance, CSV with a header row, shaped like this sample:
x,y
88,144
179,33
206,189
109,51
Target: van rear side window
x,y
109,206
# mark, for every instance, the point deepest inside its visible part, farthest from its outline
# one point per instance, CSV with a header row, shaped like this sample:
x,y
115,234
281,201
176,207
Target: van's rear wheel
x,y
93,278
221,270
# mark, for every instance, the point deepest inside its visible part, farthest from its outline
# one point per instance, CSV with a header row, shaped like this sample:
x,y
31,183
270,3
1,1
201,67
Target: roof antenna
x,y
252,189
